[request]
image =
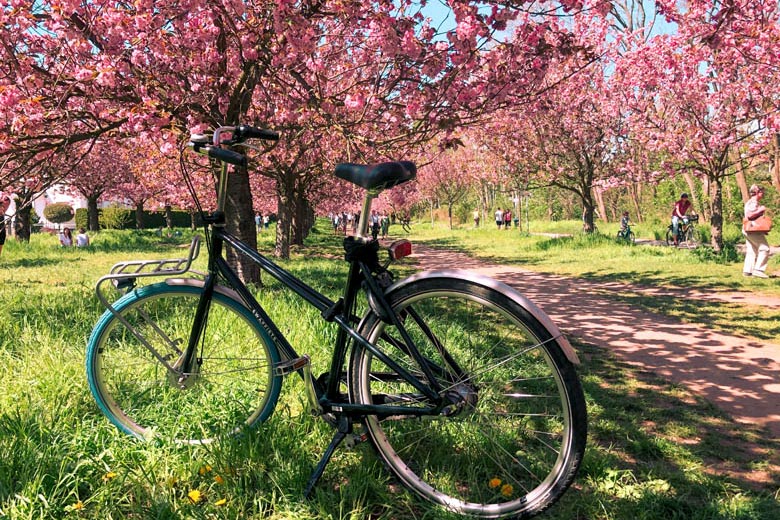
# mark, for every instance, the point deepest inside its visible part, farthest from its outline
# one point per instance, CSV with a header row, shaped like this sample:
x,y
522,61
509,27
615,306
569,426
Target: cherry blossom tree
x,y
340,79
706,96
102,170
570,135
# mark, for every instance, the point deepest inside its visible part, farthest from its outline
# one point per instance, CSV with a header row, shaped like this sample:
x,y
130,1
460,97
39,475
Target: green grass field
x,y
655,450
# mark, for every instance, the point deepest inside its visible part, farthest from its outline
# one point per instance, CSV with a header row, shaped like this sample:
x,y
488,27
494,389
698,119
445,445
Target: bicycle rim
x,y
516,439
232,387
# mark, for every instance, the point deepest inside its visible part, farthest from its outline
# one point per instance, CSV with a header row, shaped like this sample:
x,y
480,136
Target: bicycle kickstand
x,y
344,429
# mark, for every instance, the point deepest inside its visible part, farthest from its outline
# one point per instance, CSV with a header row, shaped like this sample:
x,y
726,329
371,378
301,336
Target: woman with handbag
x,y
755,226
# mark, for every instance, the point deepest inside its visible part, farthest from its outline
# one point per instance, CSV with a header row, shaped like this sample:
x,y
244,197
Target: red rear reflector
x,y
400,248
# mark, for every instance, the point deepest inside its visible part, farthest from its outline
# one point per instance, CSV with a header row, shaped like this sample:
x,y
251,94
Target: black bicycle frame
x,y
338,312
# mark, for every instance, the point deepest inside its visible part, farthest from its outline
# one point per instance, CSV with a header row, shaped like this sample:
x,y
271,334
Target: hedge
x,y
152,219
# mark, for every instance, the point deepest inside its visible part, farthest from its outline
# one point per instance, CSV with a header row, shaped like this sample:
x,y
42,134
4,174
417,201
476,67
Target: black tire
x,y
517,436
234,387
691,237
669,237
630,237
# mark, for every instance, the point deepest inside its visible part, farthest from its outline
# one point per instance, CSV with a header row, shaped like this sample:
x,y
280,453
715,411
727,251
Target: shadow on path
x,y
741,376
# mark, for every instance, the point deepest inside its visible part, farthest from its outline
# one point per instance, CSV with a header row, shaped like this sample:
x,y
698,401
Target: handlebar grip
x,y
227,156
250,132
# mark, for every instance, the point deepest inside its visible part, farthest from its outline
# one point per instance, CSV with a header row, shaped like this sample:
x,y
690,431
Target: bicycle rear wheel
x,y
513,437
669,237
232,387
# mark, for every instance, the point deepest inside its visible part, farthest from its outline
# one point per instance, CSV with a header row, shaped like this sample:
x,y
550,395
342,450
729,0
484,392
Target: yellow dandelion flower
x,y
507,490
218,479
109,476
494,483
221,502
204,469
195,496
78,506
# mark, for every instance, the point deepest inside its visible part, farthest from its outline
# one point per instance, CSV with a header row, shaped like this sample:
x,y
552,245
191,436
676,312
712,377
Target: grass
x,y
600,257
655,450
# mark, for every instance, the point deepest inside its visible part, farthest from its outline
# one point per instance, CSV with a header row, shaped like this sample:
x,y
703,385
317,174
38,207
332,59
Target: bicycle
x,y
686,232
626,235
467,390
406,224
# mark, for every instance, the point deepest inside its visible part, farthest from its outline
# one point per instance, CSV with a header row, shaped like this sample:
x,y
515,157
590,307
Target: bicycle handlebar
x,y
243,132
227,156
238,134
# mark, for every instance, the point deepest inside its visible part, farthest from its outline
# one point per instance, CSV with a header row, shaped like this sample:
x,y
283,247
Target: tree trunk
x,y
93,215
168,216
302,219
282,248
742,181
23,227
635,192
716,214
599,196
193,220
139,215
694,196
240,222
775,169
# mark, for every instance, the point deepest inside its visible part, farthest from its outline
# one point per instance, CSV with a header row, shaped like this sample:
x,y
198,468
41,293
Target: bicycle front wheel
x,y
691,237
511,439
232,386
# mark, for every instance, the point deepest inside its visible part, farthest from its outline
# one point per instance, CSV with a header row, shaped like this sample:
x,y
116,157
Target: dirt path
x,y
739,375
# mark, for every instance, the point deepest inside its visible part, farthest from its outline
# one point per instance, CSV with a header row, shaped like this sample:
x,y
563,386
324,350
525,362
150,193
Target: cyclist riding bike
x,y
679,212
625,232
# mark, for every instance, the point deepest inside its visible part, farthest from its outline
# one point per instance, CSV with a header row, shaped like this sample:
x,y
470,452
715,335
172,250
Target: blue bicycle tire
x,y
234,388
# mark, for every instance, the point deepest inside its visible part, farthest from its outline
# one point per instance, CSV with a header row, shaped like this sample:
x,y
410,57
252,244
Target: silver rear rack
x,y
123,275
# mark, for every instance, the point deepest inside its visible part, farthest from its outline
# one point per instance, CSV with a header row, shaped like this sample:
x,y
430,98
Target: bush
x,y
58,212
114,217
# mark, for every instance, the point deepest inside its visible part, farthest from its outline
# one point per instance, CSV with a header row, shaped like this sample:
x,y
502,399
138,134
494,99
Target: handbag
x,y
762,224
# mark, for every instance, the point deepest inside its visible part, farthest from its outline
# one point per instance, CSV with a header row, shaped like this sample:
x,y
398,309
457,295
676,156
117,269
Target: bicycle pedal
x,y
284,368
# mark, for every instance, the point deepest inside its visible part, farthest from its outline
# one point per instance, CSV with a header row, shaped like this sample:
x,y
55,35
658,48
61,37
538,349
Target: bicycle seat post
x,y
365,213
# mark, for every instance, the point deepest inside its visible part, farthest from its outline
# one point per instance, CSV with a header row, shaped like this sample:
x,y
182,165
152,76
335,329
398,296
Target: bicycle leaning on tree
x,y
466,389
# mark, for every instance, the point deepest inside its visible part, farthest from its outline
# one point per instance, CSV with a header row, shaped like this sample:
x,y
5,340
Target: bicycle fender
x,y
504,289
194,282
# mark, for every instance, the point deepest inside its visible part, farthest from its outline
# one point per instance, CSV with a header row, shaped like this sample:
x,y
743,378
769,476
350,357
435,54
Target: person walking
x,y
757,248
507,219
384,223
476,218
499,218
375,220
5,203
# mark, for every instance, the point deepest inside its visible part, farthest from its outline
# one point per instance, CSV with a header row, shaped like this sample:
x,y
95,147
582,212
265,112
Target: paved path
x,y
739,375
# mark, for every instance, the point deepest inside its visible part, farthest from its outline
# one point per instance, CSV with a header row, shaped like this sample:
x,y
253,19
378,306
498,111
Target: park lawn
x,y
655,451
